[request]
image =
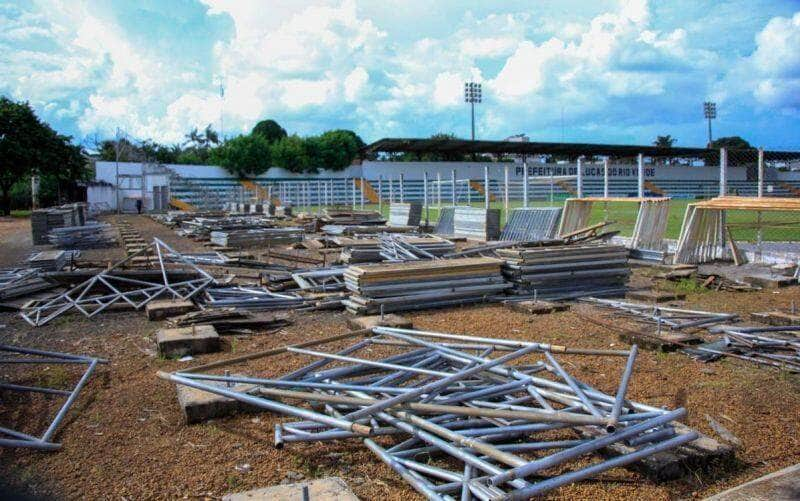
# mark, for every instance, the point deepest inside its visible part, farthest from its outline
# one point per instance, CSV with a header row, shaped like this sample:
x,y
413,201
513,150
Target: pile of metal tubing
x,y
501,414
415,285
776,346
20,356
672,318
566,271
395,247
250,298
257,237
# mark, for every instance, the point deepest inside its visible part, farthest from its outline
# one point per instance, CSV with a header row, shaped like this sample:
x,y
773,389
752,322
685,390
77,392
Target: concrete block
x,y
198,405
536,307
389,320
161,309
324,489
778,318
187,340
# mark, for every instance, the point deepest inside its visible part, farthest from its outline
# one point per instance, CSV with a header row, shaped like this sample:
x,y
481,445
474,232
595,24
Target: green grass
x,y
20,213
742,223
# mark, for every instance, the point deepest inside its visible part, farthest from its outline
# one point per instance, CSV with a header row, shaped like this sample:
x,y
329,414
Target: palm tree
x,y
664,141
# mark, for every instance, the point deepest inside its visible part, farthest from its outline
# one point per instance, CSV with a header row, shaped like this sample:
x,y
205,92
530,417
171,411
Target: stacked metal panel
x,y
90,236
48,260
405,214
417,285
473,222
257,237
352,217
567,271
366,250
444,226
45,220
532,224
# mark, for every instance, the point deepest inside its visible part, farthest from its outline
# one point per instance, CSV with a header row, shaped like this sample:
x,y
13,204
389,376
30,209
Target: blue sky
x,y
582,71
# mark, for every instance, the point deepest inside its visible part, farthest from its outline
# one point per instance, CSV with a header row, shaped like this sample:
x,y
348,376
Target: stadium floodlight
x,y
472,95
710,113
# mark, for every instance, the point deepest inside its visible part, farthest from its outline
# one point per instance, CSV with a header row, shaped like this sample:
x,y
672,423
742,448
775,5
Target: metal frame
x,y
444,394
22,355
674,318
104,289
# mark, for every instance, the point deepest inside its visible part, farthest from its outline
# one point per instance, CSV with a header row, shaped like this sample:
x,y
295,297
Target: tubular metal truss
x,y
322,279
674,318
444,395
106,288
20,355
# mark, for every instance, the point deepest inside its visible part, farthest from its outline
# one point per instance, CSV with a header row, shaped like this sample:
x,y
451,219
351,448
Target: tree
x,y
29,146
664,141
269,130
292,153
731,142
336,149
243,156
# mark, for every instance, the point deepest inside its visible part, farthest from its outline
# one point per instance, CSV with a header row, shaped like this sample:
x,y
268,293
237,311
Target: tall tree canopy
x,y
29,146
269,130
732,142
244,156
664,141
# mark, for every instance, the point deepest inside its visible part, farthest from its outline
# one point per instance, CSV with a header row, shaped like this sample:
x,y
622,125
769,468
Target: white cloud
x,y
354,83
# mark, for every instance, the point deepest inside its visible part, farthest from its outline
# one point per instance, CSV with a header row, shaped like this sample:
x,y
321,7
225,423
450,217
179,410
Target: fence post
x,y
486,187
380,193
354,193
640,175
579,178
425,195
439,190
760,172
505,191
402,190
454,187
524,182
361,185
723,172
605,177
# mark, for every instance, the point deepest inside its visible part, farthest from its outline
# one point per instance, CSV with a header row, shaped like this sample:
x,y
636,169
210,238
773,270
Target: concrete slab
x,y
389,320
165,308
536,307
783,485
199,406
324,489
779,318
655,296
187,341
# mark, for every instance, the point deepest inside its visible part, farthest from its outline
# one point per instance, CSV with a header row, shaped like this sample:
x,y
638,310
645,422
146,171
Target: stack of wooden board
x,y
351,217
566,271
366,250
257,237
417,285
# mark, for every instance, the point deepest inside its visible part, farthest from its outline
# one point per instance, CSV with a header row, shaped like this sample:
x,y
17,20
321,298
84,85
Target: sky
x,y
574,70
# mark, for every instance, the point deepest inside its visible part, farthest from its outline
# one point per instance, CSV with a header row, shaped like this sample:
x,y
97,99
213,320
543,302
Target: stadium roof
x,y
465,146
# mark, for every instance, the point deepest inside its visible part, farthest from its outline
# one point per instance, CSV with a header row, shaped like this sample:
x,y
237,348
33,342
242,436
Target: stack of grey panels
x,y
52,260
251,298
358,251
44,220
473,222
566,271
532,224
257,237
405,214
444,226
90,236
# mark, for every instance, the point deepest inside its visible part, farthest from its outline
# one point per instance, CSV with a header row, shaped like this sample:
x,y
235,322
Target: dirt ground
x,y
125,437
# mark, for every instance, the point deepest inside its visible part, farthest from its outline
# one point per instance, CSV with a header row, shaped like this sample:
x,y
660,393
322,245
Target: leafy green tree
x,y
292,153
269,130
243,156
29,146
336,149
664,141
732,142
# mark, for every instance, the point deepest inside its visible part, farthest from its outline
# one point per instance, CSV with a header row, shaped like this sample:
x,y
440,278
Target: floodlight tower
x,y
709,112
472,95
